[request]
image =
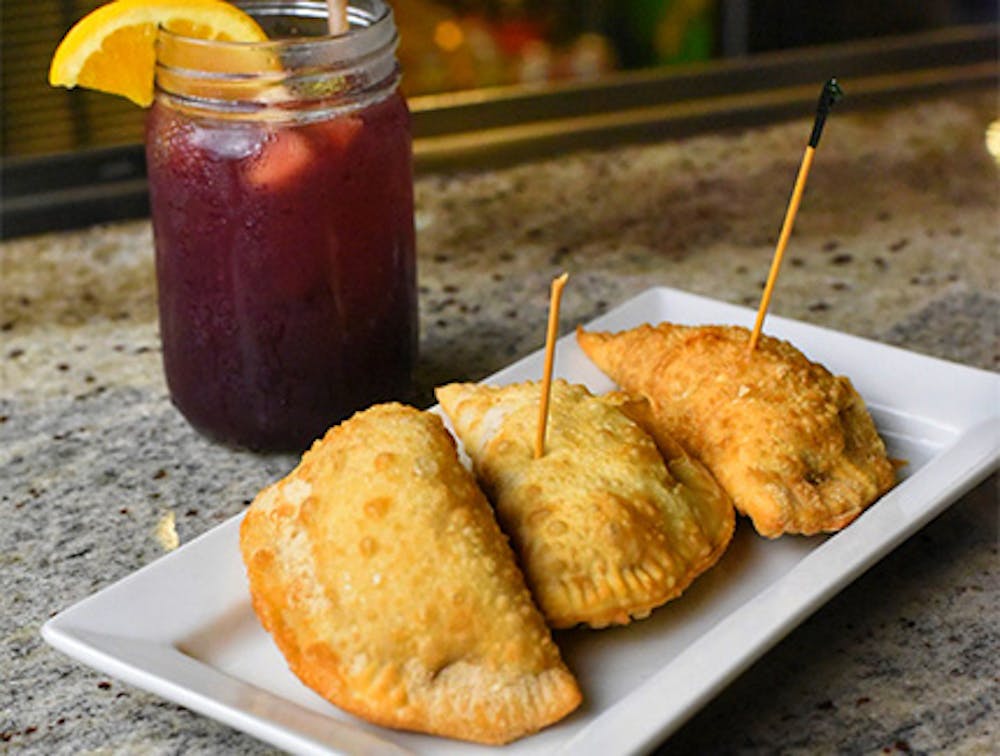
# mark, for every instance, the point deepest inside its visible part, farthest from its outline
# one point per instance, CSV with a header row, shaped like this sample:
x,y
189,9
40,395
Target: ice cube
x,y
232,143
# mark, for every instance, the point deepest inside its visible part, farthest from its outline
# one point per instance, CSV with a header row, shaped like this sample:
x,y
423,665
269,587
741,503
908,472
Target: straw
x,y
337,17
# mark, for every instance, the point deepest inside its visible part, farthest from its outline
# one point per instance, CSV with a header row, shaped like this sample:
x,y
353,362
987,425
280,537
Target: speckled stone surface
x,y
898,240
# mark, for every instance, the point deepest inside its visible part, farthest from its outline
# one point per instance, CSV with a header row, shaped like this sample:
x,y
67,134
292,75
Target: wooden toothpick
x,y
555,297
828,97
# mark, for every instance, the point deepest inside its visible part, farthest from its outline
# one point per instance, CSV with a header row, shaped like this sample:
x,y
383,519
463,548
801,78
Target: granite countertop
x,y
897,241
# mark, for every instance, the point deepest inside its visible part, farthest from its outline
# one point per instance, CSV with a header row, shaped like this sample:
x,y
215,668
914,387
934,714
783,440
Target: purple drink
x,y
285,262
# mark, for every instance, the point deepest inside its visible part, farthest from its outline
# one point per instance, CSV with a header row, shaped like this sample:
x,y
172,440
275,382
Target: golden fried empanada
x,y
603,531
793,444
380,571
708,501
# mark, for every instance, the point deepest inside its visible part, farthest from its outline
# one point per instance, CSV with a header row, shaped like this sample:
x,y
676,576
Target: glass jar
x,y
281,193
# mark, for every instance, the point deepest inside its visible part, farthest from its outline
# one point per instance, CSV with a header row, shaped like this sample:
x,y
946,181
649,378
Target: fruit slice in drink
x,y
112,49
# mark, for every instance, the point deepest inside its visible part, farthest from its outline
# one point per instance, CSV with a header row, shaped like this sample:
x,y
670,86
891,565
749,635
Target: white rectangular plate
x,y
182,627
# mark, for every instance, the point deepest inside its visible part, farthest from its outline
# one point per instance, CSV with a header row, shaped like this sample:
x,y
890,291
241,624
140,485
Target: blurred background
x,y
454,45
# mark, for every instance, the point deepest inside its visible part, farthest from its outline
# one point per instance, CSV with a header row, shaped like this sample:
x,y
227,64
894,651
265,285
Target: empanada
x,y
603,531
708,501
380,571
793,444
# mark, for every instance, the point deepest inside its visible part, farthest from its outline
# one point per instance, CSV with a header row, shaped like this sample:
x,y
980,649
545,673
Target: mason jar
x,y
281,192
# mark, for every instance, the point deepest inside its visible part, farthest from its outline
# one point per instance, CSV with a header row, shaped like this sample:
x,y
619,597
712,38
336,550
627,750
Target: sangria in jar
x,y
282,203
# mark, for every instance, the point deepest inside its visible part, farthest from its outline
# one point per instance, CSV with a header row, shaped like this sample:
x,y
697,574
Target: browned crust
x,y
378,569
604,531
793,445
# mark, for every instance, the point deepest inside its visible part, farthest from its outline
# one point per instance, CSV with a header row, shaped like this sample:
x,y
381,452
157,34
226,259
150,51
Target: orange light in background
x,y
448,35
993,140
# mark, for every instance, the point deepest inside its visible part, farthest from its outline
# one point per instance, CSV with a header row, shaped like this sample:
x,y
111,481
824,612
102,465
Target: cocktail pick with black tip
x,y
830,95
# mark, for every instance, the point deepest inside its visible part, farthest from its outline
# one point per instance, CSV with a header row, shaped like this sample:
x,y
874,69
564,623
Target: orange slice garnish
x,y
113,49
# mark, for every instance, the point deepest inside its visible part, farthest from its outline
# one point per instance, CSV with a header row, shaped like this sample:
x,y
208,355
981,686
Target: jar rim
x,y
303,75
363,23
